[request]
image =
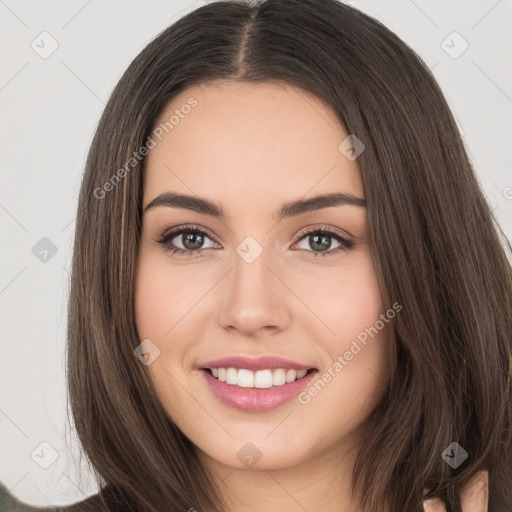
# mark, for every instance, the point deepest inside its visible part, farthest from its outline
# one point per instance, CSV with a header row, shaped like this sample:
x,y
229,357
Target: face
x,y
258,281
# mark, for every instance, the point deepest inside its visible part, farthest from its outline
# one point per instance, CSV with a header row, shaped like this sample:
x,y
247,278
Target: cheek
x,y
350,299
150,301
159,296
351,306
362,302
157,310
164,312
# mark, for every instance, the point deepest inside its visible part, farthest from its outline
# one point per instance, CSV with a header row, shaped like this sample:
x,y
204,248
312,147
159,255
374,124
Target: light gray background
x,y
49,110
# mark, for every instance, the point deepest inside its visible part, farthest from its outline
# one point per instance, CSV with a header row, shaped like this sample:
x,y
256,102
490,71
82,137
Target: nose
x,y
254,301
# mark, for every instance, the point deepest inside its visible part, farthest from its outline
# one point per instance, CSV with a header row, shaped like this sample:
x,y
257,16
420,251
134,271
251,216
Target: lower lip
x,y
255,399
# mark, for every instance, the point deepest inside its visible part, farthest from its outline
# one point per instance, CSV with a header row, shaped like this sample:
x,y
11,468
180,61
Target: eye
x,y
191,239
320,240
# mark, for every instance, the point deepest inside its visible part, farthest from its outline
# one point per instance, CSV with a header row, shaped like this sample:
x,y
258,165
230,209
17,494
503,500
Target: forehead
x,y
248,140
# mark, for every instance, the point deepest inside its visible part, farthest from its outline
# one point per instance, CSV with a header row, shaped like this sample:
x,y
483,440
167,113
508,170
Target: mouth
x,y
261,379
259,391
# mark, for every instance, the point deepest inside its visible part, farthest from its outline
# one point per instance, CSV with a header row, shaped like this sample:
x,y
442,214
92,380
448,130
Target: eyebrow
x,y
290,209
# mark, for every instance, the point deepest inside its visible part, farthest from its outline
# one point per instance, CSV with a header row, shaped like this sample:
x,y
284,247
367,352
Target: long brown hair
x,y
436,248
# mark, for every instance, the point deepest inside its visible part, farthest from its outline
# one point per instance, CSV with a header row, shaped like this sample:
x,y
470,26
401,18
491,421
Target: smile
x,y
258,391
260,379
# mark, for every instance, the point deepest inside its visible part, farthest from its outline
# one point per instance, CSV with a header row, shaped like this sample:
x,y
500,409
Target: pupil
x,y
313,240
190,237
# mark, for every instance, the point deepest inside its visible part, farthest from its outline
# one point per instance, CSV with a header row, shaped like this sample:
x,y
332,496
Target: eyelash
x,y
345,244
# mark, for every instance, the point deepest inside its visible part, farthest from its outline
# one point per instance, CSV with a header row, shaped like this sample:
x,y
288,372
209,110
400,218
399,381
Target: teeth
x,y
291,375
279,377
261,379
231,376
245,379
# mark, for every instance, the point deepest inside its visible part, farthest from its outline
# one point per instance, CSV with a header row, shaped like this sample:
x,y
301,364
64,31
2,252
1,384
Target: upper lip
x,y
255,364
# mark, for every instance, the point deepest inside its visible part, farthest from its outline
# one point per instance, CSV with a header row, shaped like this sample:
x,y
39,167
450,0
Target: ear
x,y
474,496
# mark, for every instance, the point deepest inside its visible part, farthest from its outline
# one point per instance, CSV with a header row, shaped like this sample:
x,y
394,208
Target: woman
x,y
288,290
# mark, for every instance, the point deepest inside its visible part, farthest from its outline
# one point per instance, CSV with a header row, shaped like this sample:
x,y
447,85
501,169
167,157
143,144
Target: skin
x,y
250,148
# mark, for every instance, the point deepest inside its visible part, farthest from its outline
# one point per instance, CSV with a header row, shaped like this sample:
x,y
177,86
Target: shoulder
x,y
474,496
94,503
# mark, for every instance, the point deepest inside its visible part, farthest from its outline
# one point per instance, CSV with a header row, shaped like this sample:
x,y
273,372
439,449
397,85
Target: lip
x,y
255,399
255,364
